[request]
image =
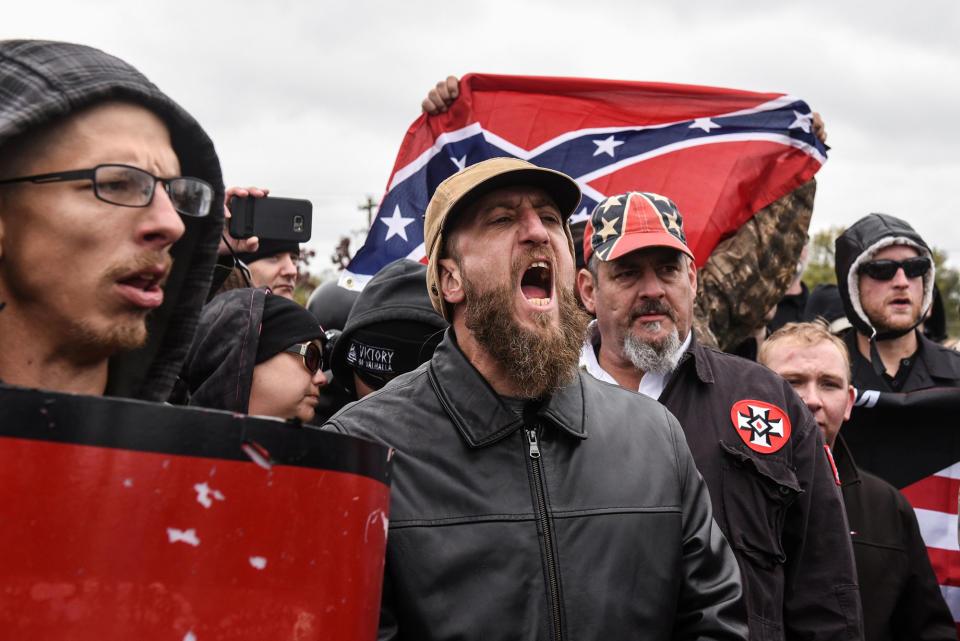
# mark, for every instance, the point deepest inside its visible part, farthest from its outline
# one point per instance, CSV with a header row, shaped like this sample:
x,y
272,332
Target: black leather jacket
x,y
584,519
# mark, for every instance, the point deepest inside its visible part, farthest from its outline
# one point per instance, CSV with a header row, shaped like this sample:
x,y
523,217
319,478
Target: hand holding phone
x,y
269,217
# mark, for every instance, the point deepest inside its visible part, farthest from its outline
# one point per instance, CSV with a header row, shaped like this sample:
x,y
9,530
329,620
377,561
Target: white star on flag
x,y
606,146
460,162
704,123
802,121
396,224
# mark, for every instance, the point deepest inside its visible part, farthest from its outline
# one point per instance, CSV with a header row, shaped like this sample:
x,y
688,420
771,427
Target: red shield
x,y
765,428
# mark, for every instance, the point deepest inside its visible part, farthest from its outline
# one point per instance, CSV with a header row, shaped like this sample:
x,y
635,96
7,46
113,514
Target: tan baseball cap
x,y
465,187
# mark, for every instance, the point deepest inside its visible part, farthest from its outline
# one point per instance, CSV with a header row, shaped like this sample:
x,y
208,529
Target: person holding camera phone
x,y
263,235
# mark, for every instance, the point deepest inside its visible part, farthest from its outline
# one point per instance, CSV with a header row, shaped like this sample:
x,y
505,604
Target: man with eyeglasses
x,y
885,275
111,208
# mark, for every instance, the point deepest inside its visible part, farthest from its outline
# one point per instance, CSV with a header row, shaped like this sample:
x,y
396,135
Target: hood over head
x,y
42,82
285,323
859,244
394,317
238,330
219,368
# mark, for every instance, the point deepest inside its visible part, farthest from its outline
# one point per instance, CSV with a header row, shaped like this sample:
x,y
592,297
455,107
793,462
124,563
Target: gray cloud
x,y
313,99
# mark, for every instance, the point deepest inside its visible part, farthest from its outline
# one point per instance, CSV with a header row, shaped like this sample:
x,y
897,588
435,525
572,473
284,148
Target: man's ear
x,y
851,399
588,290
451,281
692,267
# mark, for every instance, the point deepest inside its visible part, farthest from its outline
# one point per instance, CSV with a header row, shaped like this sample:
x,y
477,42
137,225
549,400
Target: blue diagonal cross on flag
x,y
720,154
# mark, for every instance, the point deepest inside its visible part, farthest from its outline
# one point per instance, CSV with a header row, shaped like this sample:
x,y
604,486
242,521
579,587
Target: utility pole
x,y
369,206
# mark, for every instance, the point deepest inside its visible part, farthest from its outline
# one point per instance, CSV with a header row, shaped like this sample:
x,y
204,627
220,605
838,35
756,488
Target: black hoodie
x,y
41,82
396,294
219,368
932,365
859,244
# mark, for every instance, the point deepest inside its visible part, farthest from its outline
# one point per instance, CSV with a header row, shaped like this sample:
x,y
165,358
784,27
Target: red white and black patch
x,y
765,428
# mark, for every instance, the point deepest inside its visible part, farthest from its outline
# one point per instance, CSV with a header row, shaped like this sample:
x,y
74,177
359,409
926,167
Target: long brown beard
x,y
537,362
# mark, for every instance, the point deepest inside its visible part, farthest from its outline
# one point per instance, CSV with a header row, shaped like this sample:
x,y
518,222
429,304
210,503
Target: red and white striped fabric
x,y
935,501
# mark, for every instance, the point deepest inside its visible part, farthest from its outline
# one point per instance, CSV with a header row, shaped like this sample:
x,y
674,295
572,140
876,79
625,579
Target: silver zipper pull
x,y
534,448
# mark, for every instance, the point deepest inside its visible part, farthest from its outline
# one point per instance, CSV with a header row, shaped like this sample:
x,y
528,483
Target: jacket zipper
x,y
544,521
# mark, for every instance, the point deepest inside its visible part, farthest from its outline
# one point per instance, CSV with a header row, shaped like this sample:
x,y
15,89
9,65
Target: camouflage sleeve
x,y
748,273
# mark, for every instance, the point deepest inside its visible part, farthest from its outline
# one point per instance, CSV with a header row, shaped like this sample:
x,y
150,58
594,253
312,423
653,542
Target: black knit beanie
x,y
284,323
270,247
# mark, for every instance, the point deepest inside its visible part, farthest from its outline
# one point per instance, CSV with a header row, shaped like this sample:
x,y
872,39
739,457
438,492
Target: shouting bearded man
x,y
530,500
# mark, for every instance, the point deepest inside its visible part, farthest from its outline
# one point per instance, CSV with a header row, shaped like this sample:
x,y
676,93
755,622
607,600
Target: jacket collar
x,y
701,362
478,411
843,459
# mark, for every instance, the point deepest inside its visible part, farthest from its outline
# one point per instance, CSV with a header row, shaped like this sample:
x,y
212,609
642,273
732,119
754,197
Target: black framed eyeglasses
x,y
312,355
133,187
886,269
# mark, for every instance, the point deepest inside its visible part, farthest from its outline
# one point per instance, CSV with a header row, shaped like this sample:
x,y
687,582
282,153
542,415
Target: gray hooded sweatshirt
x,y
41,82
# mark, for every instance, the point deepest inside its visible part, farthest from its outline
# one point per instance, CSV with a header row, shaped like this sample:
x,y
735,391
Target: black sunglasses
x,y
887,269
133,187
312,355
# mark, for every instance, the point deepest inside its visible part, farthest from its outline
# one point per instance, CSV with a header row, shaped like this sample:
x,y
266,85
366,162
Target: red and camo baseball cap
x,y
634,220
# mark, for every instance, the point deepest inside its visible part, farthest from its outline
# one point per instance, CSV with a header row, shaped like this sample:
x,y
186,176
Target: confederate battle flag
x,y
720,154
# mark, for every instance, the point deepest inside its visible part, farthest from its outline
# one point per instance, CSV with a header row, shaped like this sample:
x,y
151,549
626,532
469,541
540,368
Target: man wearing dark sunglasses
x,y
110,215
885,275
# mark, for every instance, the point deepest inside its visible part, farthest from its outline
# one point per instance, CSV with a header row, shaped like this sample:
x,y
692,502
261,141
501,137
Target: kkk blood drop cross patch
x,y
765,428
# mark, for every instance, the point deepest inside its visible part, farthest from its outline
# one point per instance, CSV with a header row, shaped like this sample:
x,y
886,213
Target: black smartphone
x,y
268,217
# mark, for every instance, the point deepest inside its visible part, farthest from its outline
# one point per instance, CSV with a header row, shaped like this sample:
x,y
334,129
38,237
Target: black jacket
x,y
900,594
932,365
779,507
584,520
219,368
789,309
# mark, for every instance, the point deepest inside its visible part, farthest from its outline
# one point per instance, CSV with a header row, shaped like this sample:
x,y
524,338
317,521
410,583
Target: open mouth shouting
x,y
144,287
536,283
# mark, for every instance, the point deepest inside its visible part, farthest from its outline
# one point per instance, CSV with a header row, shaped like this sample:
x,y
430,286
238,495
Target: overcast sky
x,y
312,99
